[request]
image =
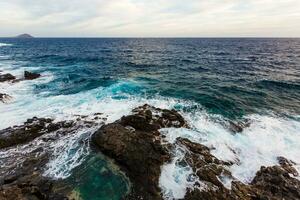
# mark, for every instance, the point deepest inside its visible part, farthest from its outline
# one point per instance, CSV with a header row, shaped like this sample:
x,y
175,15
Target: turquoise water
x,y
97,179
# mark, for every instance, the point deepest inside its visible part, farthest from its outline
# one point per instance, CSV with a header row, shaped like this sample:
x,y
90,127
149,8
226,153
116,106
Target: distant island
x,y
25,35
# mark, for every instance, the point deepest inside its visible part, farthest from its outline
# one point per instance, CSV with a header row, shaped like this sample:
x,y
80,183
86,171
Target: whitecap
x,y
5,44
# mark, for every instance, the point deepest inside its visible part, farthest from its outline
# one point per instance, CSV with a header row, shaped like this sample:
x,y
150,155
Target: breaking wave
x,y
4,44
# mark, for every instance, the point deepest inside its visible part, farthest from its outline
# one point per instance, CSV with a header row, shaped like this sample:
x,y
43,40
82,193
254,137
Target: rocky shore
x,y
22,177
6,98
136,145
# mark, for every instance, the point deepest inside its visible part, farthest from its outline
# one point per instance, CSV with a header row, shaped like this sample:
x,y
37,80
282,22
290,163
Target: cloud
x,y
195,18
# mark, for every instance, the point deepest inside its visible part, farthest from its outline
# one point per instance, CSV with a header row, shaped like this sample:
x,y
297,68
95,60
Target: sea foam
x,y
5,44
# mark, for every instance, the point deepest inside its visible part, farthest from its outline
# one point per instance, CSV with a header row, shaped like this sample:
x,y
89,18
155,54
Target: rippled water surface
x,y
210,81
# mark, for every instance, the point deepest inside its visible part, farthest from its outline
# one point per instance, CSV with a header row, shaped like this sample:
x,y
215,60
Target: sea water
x,y
209,81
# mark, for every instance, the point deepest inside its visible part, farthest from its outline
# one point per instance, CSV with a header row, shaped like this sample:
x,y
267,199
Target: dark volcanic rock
x,y
30,187
238,127
27,183
272,183
6,77
275,183
208,169
30,75
21,175
134,143
30,130
287,165
4,98
149,118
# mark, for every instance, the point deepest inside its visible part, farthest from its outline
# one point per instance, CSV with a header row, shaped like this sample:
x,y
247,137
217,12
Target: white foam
x,y
5,44
258,145
175,179
68,152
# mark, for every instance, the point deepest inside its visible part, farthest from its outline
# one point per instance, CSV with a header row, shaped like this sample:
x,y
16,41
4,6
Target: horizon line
x,y
156,37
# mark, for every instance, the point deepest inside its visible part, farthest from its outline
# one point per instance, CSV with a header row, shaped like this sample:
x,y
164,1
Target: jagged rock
x,y
208,169
30,75
5,98
21,178
238,127
149,118
272,183
27,182
6,77
134,143
275,183
30,187
287,165
31,129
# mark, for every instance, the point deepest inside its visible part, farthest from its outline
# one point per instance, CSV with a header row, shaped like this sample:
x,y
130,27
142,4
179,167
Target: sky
x,y
150,18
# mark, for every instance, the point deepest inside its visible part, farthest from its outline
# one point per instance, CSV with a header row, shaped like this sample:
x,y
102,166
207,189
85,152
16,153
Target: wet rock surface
x,y
238,127
22,178
275,182
31,129
28,183
30,75
5,98
6,77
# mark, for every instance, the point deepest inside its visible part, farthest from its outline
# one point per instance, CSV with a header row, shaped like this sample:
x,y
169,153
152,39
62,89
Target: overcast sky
x,y
150,18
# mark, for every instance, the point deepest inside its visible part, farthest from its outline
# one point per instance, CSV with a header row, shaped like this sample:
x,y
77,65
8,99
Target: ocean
x,y
210,81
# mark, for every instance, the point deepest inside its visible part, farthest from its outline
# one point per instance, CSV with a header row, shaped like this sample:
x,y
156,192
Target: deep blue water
x,y
228,78
232,77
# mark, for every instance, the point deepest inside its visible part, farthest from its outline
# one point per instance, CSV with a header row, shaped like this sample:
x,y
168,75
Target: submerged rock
x,y
30,75
6,77
5,98
238,127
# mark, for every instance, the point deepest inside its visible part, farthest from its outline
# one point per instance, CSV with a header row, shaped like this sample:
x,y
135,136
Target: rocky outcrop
x,y
27,182
273,182
27,76
21,177
134,143
31,129
208,169
5,98
6,77
30,75
30,187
